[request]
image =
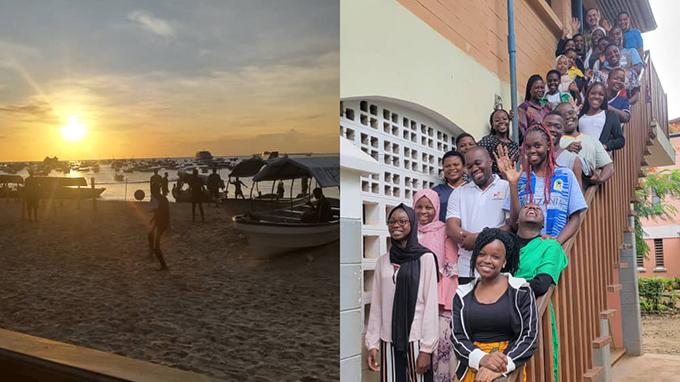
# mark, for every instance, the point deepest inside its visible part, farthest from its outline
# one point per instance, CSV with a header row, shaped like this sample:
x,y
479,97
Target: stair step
x,y
613,288
591,375
644,163
607,313
601,342
617,354
621,266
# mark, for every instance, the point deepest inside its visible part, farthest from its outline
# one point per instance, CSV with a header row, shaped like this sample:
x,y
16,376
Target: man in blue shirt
x,y
632,37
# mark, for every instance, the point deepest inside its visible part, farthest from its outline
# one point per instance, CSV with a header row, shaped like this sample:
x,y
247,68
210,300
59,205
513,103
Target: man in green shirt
x,y
540,261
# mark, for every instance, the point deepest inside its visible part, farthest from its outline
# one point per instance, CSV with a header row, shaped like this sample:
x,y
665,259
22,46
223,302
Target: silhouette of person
x,y
160,222
321,213
214,183
237,185
32,195
155,183
197,189
305,186
164,185
280,190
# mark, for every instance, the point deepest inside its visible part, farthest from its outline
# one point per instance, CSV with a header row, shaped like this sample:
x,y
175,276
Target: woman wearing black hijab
x,y
404,318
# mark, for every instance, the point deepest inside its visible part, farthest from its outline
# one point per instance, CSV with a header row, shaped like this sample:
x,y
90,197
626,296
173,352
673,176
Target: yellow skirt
x,y
488,348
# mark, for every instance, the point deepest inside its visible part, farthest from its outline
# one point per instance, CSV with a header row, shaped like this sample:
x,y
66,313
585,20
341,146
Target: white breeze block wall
x,y
409,146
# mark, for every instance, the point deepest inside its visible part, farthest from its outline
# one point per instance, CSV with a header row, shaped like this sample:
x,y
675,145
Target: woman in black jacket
x,y
494,320
597,120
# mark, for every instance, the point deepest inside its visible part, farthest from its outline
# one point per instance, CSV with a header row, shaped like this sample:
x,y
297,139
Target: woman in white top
x,y
404,318
596,120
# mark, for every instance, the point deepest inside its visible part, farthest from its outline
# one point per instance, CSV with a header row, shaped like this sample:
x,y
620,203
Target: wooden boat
x,y
279,231
118,177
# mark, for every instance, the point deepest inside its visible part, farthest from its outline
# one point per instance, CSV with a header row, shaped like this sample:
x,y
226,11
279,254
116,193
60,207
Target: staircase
x,y
598,290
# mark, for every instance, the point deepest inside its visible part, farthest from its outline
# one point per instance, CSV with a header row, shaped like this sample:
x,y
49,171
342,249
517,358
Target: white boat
x,y
279,231
276,232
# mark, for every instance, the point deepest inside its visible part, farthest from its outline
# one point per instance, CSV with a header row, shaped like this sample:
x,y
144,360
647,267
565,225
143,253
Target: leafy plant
x,y
663,184
658,294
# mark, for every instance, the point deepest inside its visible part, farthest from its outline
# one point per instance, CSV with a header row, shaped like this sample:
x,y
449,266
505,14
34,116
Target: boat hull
x,y
243,206
271,239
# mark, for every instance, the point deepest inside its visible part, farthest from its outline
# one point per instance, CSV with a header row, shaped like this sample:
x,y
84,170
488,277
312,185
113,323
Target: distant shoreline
x,y
162,157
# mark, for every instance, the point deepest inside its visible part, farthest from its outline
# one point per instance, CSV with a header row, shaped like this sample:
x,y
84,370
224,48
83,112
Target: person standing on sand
x,y
197,189
164,185
237,185
155,183
160,222
214,182
32,195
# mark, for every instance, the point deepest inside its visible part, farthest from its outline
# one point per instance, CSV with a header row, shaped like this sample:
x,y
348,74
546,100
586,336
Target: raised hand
x,y
589,73
606,25
575,25
505,165
576,107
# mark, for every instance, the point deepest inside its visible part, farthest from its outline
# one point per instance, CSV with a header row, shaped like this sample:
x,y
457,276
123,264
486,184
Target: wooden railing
x,y
581,296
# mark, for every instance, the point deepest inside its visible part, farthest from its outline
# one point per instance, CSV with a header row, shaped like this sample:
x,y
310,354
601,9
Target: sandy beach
x,y
87,279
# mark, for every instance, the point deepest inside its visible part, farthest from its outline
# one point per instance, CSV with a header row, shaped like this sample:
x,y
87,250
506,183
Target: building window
x,y
658,253
640,261
655,198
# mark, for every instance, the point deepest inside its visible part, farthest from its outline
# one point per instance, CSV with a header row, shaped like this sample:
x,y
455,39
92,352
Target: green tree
x,y
657,188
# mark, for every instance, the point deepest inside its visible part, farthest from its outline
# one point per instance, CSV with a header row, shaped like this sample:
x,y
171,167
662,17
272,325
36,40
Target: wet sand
x,y
87,279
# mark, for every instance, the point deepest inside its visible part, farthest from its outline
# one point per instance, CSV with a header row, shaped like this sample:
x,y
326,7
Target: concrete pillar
x,y
353,164
630,299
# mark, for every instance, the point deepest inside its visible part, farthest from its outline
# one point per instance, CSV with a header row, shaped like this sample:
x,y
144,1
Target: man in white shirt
x,y
586,146
475,206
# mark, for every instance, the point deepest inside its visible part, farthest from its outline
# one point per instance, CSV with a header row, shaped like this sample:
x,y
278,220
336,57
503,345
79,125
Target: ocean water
x,y
124,190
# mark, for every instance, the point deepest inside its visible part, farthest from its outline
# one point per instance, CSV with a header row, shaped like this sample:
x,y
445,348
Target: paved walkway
x,y
649,367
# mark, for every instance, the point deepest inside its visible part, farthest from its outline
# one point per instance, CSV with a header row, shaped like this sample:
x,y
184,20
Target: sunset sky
x,y
94,79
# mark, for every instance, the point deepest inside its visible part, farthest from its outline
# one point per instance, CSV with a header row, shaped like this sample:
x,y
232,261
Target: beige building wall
x,y
450,57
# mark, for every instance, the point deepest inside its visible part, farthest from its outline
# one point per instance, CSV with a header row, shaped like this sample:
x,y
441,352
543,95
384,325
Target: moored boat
x,y
282,230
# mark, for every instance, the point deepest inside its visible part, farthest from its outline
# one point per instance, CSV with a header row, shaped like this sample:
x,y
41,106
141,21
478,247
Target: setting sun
x,y
74,131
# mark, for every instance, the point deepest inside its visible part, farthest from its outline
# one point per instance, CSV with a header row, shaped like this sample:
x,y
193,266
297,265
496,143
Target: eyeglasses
x,y
401,222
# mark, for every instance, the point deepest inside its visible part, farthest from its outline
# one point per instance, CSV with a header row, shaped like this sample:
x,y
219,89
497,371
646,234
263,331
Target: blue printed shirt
x,y
566,198
633,39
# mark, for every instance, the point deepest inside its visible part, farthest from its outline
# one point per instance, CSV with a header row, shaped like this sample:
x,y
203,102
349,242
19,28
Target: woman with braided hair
x,y
404,319
494,324
554,188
